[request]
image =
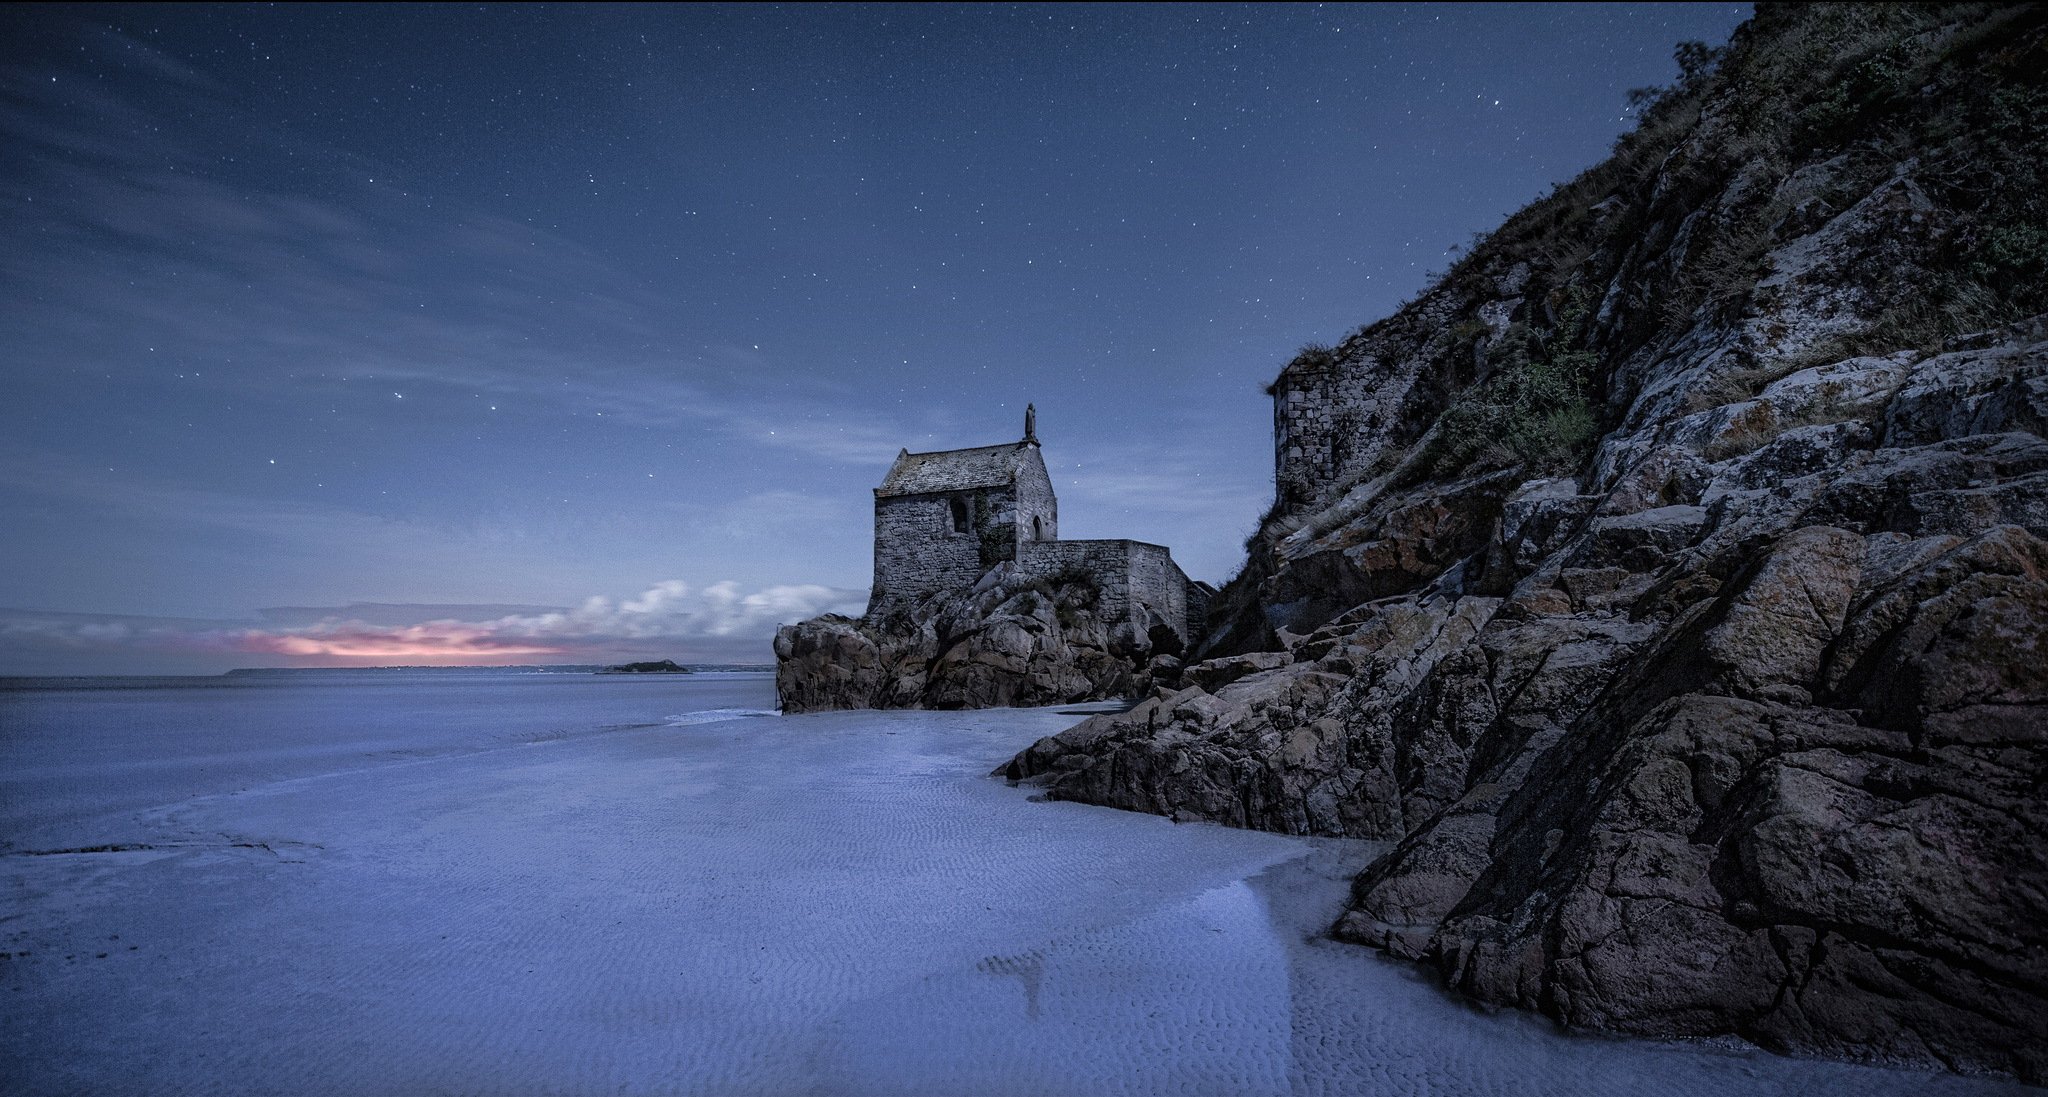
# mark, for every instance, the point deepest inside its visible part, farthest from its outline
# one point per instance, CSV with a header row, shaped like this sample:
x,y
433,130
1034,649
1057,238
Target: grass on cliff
x,y
1535,407
1687,210
1954,95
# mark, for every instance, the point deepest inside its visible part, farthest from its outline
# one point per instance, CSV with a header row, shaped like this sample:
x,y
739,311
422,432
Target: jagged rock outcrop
x,y
1011,640
1679,606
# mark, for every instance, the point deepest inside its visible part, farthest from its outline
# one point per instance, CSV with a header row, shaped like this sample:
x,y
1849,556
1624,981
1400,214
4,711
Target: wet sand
x,y
711,903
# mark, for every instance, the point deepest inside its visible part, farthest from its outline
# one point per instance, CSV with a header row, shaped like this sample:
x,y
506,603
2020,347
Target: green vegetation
x,y
1936,112
1311,356
1534,409
998,543
996,540
1314,356
1951,97
1073,592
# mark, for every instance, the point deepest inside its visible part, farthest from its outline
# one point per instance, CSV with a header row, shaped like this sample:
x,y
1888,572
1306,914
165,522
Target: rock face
x,y
1678,599
1014,639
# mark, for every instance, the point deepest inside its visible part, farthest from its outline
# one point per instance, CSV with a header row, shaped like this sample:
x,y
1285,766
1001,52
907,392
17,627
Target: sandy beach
x,y
567,885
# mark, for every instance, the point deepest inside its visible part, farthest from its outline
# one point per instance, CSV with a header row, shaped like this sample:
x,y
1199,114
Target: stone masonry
x,y
943,519
1317,414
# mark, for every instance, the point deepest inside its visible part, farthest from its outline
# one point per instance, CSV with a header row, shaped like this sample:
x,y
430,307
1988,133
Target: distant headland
x,y
664,666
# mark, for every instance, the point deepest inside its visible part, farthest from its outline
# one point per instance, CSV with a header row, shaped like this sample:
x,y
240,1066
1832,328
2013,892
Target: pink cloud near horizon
x,y
671,618
352,640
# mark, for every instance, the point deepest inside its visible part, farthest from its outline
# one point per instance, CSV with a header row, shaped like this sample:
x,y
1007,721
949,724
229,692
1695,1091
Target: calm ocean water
x,y
76,747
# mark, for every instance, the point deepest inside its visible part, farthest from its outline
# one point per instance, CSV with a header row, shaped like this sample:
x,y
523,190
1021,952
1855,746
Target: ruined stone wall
x,y
917,551
1303,399
1328,420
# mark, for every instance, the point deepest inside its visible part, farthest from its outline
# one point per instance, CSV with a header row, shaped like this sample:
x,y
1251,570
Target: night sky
x,y
363,335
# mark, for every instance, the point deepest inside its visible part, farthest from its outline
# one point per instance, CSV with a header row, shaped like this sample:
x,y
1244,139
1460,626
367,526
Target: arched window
x,y
1037,529
956,512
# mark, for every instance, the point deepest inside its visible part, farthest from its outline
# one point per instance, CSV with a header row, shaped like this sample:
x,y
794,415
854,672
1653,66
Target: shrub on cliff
x,y
1535,408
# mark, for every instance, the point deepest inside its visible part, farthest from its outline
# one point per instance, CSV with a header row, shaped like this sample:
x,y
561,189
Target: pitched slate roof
x,y
954,469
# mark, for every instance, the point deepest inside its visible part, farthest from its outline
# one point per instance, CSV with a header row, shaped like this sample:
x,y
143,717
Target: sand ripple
x,y
837,903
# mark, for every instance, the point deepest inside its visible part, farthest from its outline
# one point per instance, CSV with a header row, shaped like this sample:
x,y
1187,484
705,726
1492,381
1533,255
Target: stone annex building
x,y
943,519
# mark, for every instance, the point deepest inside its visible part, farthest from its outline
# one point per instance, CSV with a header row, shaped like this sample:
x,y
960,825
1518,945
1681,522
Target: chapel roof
x,y
956,469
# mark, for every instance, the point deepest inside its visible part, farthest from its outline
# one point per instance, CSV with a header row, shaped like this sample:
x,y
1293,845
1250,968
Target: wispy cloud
x,y
191,298
720,621
127,237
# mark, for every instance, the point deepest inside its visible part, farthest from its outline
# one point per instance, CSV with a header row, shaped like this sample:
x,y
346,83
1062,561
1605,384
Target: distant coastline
x,y
273,677
260,672
658,666
520,668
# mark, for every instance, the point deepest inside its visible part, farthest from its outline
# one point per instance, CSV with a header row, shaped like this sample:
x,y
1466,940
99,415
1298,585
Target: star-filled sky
x,y
362,335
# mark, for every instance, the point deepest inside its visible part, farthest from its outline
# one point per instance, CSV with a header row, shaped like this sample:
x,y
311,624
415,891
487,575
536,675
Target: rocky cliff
x,y
1669,580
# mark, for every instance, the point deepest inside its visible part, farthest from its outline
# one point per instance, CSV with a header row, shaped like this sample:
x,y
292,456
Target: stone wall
x,y
1199,596
1334,417
1100,559
1035,500
1306,405
1127,573
917,551
1159,584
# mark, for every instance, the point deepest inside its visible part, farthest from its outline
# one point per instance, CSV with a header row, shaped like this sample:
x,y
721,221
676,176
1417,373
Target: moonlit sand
x,y
496,883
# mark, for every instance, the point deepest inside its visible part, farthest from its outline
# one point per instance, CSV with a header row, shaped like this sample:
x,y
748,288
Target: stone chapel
x,y
944,519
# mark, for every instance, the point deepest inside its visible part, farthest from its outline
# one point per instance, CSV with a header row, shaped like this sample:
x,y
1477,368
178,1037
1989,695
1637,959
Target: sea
x,y
552,881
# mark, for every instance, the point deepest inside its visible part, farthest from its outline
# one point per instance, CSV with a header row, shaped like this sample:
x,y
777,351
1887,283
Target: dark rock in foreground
x,y
1803,804
1671,580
